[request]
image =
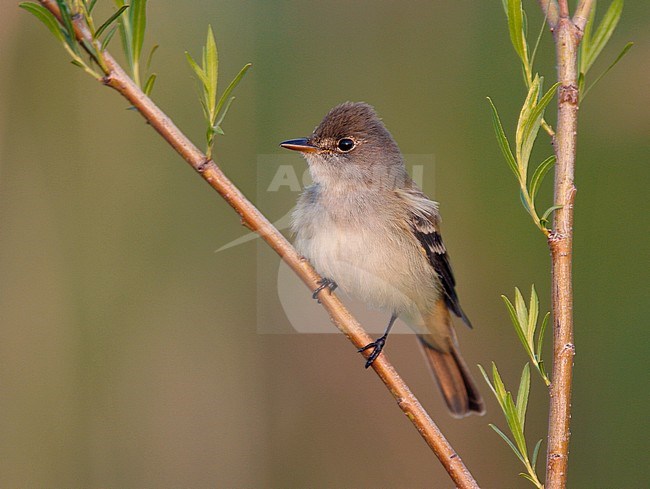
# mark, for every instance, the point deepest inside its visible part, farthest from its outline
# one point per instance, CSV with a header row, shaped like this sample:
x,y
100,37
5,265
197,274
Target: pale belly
x,y
372,264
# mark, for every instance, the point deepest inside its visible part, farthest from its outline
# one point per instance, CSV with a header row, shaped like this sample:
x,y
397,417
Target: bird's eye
x,y
345,145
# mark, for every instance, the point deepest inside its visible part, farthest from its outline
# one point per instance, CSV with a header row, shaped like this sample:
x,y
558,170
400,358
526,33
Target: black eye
x,y
345,145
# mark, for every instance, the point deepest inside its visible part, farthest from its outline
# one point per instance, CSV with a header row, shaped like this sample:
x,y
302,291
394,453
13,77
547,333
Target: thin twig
x,y
551,11
116,78
567,39
581,15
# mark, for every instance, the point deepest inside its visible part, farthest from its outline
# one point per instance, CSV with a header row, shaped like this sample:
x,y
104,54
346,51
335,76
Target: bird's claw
x,y
377,345
324,283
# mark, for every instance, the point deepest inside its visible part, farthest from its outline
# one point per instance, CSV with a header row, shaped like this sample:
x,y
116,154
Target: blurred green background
x,y
129,349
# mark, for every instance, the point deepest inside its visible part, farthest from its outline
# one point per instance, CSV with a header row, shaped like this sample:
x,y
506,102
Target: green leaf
x,y
66,19
515,26
535,453
148,86
499,387
544,219
522,310
233,84
539,174
211,68
507,440
90,6
518,328
529,478
487,381
503,141
138,21
515,425
524,144
217,124
150,57
532,120
540,336
533,312
45,16
197,69
110,20
627,47
539,38
602,34
522,395
108,37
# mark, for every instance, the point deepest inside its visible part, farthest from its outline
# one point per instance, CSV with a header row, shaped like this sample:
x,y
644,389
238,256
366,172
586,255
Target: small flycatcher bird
x,y
368,229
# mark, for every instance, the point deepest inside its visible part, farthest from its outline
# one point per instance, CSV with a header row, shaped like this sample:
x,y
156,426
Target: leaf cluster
x,y
525,319
530,120
133,27
515,414
207,72
594,41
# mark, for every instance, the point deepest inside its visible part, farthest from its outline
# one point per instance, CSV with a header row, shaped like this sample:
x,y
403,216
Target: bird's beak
x,y
303,145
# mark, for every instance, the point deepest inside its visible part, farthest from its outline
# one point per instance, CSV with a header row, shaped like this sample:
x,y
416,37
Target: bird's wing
x,y
425,225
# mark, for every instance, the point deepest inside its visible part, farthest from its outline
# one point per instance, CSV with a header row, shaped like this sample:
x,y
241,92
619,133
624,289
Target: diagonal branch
x,y
116,78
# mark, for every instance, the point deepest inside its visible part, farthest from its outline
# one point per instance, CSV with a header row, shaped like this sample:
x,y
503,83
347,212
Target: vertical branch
x,y
567,39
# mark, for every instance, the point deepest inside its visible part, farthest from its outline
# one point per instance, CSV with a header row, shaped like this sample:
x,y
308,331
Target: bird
x,y
369,230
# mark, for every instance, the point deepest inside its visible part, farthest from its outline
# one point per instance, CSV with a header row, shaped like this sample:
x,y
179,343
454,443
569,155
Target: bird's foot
x,y
377,345
324,283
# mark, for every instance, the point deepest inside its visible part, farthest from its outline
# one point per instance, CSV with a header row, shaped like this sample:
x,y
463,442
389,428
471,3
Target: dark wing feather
x,y
424,229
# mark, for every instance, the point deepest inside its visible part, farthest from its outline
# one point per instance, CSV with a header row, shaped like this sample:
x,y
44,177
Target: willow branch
x,y
116,78
581,15
567,39
551,11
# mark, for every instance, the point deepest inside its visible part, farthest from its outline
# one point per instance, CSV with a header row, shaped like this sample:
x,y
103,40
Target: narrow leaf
x,y
217,124
45,16
518,328
522,310
90,6
197,69
66,19
539,174
500,388
529,478
487,380
138,19
540,336
535,453
150,57
534,121
110,20
507,440
233,84
211,68
108,37
533,312
515,26
522,395
627,47
544,218
148,86
603,33
515,426
503,141
523,143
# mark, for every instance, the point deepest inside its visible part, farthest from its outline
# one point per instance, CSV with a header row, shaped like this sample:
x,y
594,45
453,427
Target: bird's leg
x,y
378,344
324,283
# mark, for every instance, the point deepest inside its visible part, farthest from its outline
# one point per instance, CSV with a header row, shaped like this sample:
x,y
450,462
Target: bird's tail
x,y
455,382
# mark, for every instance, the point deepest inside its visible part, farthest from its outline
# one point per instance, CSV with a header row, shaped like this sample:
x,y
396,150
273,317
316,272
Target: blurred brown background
x,y
129,349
